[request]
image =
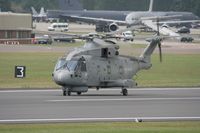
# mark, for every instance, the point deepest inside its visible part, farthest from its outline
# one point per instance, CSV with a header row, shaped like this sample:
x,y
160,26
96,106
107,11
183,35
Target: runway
x,y
146,104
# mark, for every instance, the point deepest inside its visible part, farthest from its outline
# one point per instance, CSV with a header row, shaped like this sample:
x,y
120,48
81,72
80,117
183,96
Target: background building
x,y
15,28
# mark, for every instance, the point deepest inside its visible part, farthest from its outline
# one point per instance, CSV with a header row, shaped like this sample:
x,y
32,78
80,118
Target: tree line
x,y
129,5
143,5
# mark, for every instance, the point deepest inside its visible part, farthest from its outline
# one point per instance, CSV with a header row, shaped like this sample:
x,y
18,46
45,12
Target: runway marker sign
x,y
20,71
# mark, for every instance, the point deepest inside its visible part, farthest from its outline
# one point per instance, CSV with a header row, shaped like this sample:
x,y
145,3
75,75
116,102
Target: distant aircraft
x,y
109,20
39,17
34,12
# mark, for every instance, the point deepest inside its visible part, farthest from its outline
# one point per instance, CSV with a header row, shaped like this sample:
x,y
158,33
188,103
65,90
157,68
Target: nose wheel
x,y
66,91
124,92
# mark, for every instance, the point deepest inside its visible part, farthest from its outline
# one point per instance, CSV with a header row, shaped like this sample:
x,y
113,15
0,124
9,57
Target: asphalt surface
x,y
151,104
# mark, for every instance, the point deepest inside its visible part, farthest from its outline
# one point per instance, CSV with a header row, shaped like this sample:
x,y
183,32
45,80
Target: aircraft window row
x,y
59,26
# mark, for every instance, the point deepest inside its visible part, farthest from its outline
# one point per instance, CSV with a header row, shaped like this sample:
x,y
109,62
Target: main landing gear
x,y
124,92
65,93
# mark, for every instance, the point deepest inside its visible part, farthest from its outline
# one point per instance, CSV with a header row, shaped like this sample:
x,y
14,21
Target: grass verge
x,y
126,127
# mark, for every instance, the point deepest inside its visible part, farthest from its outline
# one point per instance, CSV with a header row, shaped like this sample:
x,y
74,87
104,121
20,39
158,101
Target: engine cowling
x,y
113,27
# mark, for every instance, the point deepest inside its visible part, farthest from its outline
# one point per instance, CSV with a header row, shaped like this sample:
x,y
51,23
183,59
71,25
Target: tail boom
x,y
145,58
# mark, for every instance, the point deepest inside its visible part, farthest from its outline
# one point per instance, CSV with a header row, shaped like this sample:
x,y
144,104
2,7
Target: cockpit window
x,y
72,65
69,65
60,64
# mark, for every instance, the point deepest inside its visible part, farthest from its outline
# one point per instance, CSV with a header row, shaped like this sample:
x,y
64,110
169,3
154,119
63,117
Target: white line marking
x,y
114,89
124,99
22,91
101,119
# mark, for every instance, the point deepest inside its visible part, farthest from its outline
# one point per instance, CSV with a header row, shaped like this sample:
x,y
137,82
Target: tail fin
x,y
151,6
34,12
70,5
42,12
146,55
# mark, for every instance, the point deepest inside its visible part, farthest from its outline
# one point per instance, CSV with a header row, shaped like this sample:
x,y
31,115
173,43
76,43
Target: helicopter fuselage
x,y
98,72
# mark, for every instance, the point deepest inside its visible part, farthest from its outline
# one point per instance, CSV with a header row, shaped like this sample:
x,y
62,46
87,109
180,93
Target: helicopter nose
x,y
61,77
69,78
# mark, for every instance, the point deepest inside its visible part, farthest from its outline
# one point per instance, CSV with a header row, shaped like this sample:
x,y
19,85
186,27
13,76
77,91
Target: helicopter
x,y
98,64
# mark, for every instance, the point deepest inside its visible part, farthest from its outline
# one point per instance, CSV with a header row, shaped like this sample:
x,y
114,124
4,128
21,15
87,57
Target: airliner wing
x,y
163,30
93,20
179,22
160,17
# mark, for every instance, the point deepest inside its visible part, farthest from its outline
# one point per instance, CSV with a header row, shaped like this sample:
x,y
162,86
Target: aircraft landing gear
x,y
66,91
78,93
69,93
124,92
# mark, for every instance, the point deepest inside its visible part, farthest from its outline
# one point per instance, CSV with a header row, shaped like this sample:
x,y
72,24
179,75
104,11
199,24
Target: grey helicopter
x,y
98,64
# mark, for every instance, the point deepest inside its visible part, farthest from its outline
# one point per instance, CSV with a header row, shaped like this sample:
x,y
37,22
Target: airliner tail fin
x,y
151,6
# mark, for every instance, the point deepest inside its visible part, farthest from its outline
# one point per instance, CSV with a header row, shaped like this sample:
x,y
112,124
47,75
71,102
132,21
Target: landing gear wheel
x,y
125,92
64,93
69,93
78,93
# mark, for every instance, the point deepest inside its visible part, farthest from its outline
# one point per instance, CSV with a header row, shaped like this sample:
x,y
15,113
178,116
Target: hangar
x,y
15,28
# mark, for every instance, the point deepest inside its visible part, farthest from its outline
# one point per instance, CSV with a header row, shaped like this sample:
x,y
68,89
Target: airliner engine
x,y
106,27
113,27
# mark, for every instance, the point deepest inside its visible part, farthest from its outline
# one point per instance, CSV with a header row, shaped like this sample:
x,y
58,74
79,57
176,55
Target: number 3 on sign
x,y
20,71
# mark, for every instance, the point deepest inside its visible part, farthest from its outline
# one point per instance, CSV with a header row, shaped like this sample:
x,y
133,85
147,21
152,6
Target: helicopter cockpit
x,y
71,65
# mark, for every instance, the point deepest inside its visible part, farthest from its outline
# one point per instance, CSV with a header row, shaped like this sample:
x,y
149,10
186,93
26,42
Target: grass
x,y
176,70
126,127
39,69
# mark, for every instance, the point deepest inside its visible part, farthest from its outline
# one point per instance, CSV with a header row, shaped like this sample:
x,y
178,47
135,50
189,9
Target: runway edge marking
x,y
133,119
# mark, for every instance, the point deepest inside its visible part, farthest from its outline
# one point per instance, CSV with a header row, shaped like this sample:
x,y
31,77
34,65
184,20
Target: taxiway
x,y
147,104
